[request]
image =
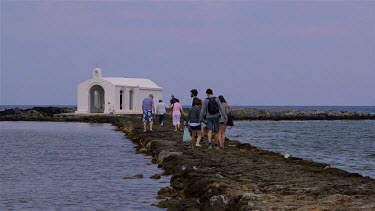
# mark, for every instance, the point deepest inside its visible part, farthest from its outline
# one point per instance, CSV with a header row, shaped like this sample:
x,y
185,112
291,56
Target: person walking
x,y
211,109
172,101
148,108
222,122
111,108
176,114
194,95
192,120
160,110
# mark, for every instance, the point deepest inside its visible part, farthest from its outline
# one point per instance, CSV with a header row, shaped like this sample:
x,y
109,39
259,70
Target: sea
x,y
73,166
80,166
347,145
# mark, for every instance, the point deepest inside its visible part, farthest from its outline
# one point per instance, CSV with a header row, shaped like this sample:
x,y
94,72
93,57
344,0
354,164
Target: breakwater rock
x,y
243,177
33,114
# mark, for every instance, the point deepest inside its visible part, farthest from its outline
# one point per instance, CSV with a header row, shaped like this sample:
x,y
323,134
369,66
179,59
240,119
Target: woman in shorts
x,y
176,114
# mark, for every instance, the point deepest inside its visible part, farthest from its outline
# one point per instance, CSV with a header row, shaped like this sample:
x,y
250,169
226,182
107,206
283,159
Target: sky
x,y
251,52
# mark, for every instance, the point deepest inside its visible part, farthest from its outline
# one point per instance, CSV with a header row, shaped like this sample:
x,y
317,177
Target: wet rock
x,y
137,176
218,202
152,142
142,150
177,183
155,176
189,204
164,154
167,192
148,145
233,143
168,203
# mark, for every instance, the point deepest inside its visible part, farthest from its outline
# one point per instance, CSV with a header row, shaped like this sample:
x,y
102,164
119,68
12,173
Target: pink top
x,y
176,107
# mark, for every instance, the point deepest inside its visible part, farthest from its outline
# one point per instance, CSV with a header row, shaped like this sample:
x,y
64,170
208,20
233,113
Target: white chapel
x,y
125,94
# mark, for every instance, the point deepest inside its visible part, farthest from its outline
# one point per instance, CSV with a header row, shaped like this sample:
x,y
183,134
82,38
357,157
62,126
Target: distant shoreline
x,y
240,114
361,109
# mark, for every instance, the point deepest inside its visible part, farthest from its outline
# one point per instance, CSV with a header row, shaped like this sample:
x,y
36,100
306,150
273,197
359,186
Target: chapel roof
x,y
141,82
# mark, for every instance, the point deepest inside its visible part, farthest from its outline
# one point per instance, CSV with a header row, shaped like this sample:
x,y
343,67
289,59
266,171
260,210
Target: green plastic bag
x,y
187,137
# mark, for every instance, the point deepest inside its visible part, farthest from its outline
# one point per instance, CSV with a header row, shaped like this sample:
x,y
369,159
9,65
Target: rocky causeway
x,y
240,177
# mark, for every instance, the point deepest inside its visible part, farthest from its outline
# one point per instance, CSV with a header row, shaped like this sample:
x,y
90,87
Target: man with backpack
x,y
211,109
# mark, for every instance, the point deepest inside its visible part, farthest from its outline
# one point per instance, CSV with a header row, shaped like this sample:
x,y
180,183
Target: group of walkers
x,y
212,111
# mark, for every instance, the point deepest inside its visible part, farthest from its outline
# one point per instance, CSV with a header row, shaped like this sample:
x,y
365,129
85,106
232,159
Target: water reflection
x,y
72,166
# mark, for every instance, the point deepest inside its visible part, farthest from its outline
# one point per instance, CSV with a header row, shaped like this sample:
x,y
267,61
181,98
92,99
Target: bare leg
x,y
151,125
209,136
217,138
199,133
144,126
192,138
202,133
221,136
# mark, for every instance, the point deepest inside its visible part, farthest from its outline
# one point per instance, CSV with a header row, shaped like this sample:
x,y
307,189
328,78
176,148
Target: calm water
x,y
72,166
348,145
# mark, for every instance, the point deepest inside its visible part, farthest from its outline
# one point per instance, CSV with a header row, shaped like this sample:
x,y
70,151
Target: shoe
x,y
198,145
175,130
151,131
145,131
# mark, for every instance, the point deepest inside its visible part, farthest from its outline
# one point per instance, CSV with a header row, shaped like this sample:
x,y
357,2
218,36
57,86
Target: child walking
x,y
192,120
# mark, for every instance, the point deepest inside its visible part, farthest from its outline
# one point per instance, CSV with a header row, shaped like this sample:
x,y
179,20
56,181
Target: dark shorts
x,y
199,127
147,116
213,124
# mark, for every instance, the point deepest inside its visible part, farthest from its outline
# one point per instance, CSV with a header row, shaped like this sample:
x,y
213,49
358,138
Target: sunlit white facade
x,y
125,94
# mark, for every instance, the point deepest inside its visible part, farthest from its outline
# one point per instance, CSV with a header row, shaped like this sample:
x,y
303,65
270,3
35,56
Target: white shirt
x,y
111,108
160,108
